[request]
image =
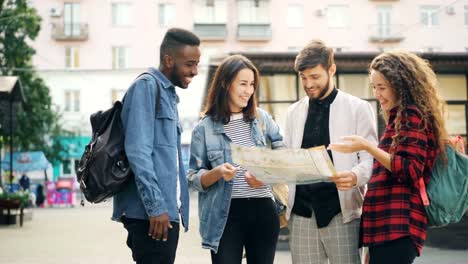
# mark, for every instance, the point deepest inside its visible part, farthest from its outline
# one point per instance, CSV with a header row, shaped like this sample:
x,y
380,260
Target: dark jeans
x,y
252,223
401,251
146,250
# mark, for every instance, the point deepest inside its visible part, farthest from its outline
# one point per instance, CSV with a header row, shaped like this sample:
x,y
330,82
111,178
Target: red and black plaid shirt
x,y
393,207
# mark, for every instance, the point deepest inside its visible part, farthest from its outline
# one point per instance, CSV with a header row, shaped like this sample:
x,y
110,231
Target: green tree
x,y
37,124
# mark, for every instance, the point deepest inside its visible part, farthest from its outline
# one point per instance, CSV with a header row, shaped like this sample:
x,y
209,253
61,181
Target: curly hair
x,y
414,83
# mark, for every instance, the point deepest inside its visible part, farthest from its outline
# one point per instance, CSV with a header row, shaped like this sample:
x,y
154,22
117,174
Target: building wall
x,y
292,23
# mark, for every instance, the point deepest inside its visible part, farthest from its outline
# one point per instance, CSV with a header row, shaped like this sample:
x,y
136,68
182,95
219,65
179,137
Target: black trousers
x,y
146,250
252,223
401,251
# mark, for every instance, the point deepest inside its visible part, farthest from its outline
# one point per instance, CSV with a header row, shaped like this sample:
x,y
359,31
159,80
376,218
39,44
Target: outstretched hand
x,y
350,144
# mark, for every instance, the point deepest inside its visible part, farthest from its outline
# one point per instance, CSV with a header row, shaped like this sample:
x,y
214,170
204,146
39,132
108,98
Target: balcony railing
x,y
254,32
210,31
75,31
386,33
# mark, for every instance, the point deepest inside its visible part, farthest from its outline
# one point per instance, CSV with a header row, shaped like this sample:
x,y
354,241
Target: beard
x,y
323,91
175,78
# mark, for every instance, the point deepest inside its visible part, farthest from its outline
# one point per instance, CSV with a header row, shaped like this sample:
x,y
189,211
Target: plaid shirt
x,y
392,206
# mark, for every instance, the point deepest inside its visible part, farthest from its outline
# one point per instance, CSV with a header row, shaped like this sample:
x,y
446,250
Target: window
x,y
338,16
209,11
69,166
71,19
72,57
356,84
431,49
294,48
340,49
295,16
384,21
119,57
452,86
66,166
72,101
253,12
166,14
121,15
456,119
466,16
275,98
430,16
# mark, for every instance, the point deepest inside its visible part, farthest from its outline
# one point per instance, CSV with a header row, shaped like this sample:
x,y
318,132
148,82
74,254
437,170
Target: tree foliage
x,y
37,123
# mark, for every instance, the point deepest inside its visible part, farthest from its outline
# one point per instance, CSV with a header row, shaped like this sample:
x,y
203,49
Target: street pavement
x,y
87,235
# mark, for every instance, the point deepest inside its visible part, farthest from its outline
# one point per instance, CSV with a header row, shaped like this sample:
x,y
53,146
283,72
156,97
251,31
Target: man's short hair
x,y
175,39
313,54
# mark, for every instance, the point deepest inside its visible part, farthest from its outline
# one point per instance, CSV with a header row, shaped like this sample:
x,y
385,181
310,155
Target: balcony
x,y
254,32
70,32
386,33
210,31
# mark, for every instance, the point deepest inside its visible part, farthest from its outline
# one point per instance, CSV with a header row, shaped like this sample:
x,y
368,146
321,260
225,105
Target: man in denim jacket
x,y
149,206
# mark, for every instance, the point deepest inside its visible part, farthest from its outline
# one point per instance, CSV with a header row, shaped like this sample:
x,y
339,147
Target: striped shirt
x,y
240,132
393,207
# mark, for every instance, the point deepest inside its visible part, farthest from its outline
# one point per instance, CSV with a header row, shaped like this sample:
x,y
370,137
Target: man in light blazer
x,y
324,217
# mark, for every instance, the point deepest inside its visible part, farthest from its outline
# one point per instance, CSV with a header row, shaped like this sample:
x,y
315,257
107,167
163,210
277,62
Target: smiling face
x,y
241,89
383,91
184,66
317,81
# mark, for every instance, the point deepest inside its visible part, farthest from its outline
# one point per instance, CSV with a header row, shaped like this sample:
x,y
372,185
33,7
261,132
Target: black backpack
x,y
104,170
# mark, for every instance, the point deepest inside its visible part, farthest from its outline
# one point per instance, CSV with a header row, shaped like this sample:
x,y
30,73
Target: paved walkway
x,y
86,235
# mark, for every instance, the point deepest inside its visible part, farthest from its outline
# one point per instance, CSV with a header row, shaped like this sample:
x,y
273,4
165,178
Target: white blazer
x,y
349,115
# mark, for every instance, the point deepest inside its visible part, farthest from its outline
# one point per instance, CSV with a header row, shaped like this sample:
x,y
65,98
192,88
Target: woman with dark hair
x,y
394,220
236,211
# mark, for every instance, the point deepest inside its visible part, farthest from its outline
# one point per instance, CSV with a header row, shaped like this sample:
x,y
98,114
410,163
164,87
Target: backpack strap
x,y
458,144
158,92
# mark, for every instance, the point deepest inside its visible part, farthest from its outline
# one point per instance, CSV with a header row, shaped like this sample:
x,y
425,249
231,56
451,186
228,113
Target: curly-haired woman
x,y
394,221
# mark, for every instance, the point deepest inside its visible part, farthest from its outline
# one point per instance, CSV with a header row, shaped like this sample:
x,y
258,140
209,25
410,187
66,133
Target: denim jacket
x,y
211,147
152,141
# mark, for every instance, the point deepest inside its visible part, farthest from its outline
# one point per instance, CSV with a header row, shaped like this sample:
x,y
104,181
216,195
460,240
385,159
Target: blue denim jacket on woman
x,y
211,147
152,144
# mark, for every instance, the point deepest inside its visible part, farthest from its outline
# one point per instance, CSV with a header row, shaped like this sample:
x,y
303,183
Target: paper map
x,y
300,166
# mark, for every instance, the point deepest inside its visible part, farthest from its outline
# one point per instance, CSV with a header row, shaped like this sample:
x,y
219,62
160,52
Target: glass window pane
x,y
68,57
77,164
166,14
356,84
295,16
66,167
337,16
67,101
205,12
253,12
76,102
466,15
279,87
278,111
452,87
76,58
456,120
